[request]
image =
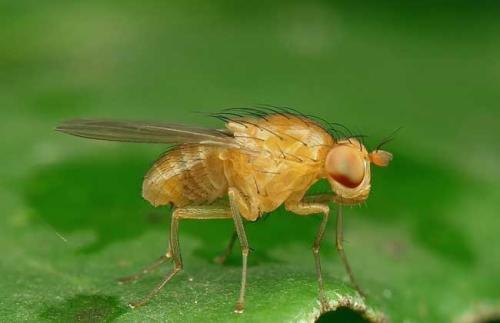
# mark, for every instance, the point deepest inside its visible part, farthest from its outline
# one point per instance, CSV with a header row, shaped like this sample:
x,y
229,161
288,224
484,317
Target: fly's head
x,y
347,168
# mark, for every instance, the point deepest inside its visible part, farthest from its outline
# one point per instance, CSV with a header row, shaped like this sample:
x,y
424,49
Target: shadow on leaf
x,y
96,194
84,308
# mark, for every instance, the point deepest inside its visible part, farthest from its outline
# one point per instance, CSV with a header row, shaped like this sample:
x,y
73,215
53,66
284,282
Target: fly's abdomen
x,y
188,174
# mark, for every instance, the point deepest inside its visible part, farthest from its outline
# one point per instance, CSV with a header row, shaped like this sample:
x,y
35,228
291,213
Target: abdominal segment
x,y
186,175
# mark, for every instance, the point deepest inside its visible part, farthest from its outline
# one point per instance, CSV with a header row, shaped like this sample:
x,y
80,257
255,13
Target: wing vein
x,y
145,132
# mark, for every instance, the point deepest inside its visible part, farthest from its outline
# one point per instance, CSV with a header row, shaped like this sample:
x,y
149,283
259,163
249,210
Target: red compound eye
x,y
345,165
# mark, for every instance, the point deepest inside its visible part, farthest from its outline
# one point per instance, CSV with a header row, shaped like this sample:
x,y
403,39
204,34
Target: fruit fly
x,y
263,158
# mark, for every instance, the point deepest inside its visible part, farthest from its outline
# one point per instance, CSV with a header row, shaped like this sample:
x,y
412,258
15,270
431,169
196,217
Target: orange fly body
x,y
265,157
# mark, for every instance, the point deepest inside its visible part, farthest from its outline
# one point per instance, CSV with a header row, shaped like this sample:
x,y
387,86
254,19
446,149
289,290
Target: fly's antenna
x,y
388,138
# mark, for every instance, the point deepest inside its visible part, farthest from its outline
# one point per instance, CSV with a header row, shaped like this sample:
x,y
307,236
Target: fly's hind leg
x,y
195,213
146,270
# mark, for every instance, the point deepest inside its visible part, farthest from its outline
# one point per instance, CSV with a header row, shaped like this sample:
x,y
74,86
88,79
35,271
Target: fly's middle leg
x,y
236,201
202,212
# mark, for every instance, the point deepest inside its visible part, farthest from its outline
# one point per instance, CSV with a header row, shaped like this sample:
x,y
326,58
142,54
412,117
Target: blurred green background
x,y
426,244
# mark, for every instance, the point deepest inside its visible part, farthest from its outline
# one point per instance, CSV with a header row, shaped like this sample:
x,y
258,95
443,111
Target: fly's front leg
x,y
236,200
198,213
340,250
310,208
325,198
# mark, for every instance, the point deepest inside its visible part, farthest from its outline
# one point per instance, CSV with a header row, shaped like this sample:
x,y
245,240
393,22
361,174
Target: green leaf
x,y
424,246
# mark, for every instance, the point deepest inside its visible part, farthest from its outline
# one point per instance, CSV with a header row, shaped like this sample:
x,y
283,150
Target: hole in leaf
x,y
481,314
342,315
492,320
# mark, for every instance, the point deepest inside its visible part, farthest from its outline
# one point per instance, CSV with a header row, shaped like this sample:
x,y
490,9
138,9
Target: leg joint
x,y
339,242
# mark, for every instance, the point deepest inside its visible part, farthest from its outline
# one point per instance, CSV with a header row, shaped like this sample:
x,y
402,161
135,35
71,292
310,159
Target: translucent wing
x,y
145,132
